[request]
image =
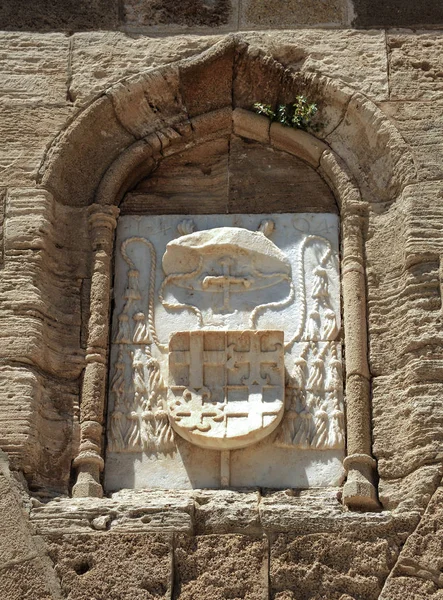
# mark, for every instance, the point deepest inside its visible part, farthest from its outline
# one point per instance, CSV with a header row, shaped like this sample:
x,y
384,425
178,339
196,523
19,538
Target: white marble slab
x,y
232,273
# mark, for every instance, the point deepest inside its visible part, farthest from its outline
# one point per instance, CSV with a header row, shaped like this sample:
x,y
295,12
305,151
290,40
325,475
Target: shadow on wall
x,y
170,16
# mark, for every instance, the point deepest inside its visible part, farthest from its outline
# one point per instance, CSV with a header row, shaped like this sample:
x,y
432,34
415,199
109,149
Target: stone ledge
x,y
209,511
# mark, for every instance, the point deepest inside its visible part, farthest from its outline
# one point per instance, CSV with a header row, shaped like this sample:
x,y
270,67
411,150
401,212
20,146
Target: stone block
x,y
331,565
25,580
25,570
37,426
116,567
363,138
215,124
199,74
416,64
74,166
249,125
258,177
279,14
126,512
421,126
257,78
189,15
421,558
195,178
396,13
33,68
148,102
26,132
221,566
101,59
297,142
68,15
226,511
412,588
352,58
412,492
330,98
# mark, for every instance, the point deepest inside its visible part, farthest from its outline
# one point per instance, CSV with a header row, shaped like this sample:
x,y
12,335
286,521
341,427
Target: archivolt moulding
x,y
121,137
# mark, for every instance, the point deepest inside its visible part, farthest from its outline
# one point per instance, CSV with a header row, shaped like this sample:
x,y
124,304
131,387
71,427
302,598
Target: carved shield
x,y
226,388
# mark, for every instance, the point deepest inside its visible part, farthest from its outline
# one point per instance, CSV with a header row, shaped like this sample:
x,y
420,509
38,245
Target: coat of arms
x,y
226,388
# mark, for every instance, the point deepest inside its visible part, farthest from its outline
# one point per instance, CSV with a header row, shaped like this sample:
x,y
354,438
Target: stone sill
x,y
197,512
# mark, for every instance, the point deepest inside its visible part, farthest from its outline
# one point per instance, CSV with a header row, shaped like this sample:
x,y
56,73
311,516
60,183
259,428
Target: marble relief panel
x,y
226,354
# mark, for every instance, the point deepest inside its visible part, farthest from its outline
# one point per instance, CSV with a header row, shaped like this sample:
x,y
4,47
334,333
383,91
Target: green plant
x,y
298,114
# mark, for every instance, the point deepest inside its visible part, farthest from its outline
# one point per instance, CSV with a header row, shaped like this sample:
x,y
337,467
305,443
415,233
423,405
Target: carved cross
x,y
225,281
196,410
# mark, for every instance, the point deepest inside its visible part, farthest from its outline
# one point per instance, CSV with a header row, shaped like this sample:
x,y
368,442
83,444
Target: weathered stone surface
x,y
125,512
26,572
258,177
236,176
26,132
193,180
38,425
149,102
396,13
415,65
68,15
404,326
115,567
100,59
199,93
327,565
226,511
413,588
413,491
390,166
417,572
250,125
297,142
73,166
355,58
280,14
315,511
189,14
257,78
33,68
219,567
421,125
44,316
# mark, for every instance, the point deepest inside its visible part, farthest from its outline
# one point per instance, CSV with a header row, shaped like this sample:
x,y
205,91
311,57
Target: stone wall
x,y
384,109
198,16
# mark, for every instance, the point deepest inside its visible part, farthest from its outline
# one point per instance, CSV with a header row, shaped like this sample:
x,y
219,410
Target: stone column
x,y
89,461
359,491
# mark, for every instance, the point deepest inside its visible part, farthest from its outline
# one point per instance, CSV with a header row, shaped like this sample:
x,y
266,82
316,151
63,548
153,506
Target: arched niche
x,y
127,132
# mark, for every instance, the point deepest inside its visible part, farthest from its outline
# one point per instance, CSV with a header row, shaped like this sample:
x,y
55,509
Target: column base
x,y
359,492
87,485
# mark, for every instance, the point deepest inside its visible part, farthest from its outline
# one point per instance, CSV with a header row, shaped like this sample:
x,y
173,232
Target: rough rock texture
x,y
418,570
190,13
111,566
219,567
396,13
230,15
415,66
46,15
325,565
292,13
26,571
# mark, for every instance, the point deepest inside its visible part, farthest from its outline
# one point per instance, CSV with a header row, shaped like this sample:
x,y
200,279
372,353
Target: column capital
x,y
102,223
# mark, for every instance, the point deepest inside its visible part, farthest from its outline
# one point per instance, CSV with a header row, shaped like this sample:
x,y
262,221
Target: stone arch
x,y
151,113
155,114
